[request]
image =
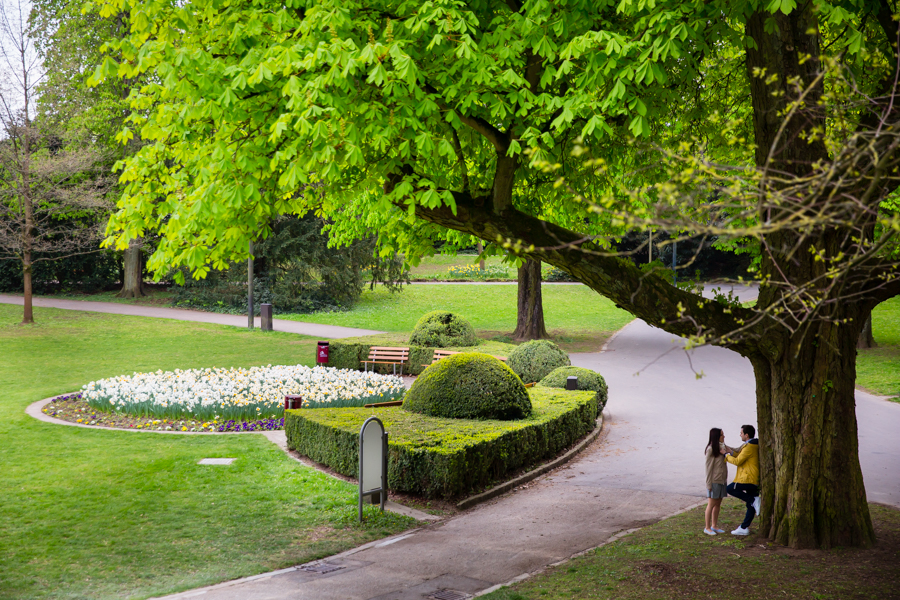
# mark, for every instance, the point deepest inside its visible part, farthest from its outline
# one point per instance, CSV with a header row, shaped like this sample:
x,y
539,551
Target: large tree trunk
x,y
866,339
530,316
28,313
811,483
133,278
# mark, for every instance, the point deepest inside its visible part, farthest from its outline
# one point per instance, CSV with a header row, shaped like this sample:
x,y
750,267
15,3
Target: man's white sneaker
x,y
740,531
756,504
709,531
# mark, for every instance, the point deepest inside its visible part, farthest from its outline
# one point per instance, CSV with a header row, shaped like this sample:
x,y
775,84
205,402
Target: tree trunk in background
x,y
28,314
480,248
133,277
866,339
530,317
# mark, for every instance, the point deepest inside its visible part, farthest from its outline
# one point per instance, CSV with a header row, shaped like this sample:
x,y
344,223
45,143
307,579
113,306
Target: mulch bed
x,y
75,410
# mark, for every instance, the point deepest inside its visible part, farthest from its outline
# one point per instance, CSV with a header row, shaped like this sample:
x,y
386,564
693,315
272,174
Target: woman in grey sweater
x,y
716,479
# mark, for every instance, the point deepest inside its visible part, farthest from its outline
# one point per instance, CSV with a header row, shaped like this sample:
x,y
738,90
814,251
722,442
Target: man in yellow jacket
x,y
746,481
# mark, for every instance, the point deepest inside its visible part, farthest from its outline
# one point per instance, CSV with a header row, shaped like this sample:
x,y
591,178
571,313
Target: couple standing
x,y
746,481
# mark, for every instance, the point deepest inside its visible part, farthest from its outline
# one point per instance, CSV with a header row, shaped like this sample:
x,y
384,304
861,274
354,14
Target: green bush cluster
x,y
436,457
587,380
442,329
470,385
532,361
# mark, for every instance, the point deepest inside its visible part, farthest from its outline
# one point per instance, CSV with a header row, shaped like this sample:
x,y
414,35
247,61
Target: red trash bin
x,y
322,353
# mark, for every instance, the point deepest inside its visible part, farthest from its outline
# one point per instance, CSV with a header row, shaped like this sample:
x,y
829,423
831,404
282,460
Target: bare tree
x,y
52,196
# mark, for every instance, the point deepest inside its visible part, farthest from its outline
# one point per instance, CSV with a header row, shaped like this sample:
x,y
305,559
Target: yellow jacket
x,y
747,460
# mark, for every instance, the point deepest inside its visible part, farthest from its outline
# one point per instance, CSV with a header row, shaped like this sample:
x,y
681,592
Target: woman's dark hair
x,y
715,435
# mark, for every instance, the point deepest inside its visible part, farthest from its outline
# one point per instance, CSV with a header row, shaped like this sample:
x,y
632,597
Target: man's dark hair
x,y
749,430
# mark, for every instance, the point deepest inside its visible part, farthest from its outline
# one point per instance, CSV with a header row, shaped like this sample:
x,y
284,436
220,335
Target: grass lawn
x,y
579,319
878,369
108,514
674,559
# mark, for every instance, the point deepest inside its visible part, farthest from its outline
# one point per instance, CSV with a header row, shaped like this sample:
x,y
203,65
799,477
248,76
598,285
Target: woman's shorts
x,y
719,490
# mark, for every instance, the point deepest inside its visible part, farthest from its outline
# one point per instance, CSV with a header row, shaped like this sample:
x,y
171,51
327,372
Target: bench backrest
x,y
388,353
439,354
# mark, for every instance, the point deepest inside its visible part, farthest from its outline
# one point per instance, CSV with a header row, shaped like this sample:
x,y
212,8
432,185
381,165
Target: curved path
x,y
180,314
646,465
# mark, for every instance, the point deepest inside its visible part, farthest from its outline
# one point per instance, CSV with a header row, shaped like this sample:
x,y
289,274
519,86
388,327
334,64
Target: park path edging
x,y
535,473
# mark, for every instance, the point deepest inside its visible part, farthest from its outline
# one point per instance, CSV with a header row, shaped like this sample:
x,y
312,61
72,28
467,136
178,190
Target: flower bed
x,y
253,394
474,272
74,409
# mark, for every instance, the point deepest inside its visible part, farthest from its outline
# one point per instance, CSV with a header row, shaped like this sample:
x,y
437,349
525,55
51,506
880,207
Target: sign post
x,y
373,459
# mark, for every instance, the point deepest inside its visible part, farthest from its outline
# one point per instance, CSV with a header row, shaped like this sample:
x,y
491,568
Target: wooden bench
x,y
386,355
439,354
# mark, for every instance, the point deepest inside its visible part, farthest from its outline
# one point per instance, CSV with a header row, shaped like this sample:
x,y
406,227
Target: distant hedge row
x,y
436,457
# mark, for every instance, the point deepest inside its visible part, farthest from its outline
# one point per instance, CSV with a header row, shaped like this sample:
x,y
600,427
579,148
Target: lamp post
x,y
674,258
250,287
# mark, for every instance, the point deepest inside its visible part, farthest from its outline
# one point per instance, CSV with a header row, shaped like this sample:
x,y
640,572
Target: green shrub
x,y
442,329
469,386
587,380
436,457
532,361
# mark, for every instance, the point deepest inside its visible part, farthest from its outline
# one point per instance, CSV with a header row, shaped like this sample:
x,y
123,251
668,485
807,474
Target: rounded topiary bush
x,y
533,360
442,329
469,385
587,380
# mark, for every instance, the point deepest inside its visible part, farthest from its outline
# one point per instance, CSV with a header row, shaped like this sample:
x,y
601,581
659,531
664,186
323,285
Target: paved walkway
x,y
179,314
646,465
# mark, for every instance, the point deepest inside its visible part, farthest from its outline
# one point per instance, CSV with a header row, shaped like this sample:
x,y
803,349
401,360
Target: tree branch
x,y
645,295
497,138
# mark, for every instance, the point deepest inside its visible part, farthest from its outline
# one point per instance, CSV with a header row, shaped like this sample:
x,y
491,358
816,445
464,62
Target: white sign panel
x,y
372,456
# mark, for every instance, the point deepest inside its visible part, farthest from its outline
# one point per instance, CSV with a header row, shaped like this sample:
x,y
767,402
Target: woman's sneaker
x,y
756,503
717,530
709,531
740,531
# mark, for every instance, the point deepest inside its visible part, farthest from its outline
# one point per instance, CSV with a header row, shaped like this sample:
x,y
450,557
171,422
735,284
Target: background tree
x,y
68,40
386,103
50,192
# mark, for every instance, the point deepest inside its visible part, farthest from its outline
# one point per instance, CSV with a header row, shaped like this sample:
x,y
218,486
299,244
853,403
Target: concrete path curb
x,y
196,316
533,474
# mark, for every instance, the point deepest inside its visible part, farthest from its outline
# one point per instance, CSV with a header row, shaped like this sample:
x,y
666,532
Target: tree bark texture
x,y
530,314
812,485
133,277
28,312
866,338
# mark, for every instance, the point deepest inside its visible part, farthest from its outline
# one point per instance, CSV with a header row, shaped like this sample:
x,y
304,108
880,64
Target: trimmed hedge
x,y
349,353
532,361
435,457
587,380
469,386
443,329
